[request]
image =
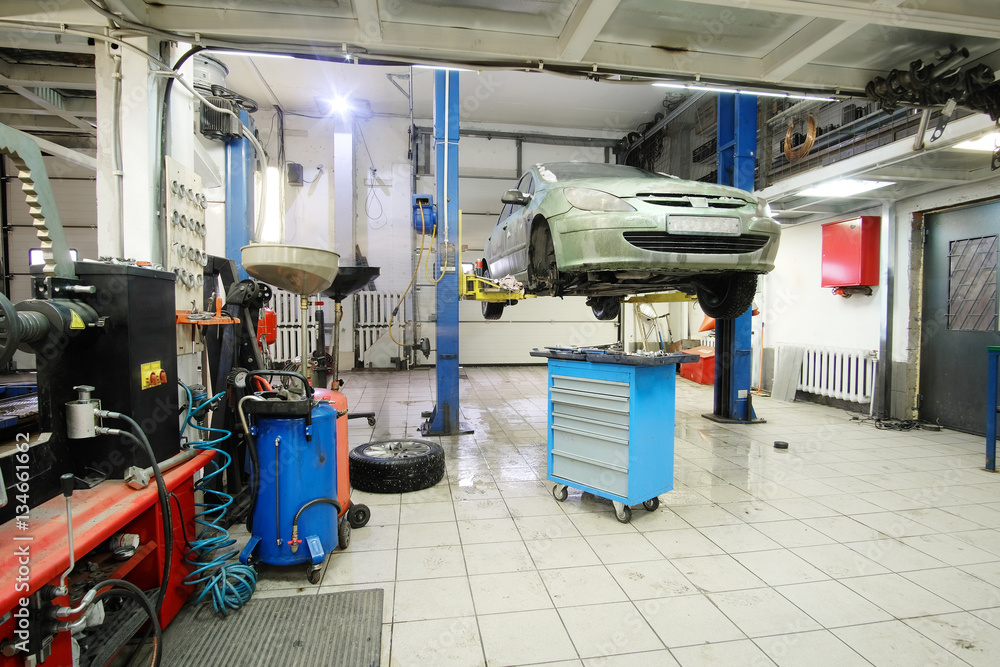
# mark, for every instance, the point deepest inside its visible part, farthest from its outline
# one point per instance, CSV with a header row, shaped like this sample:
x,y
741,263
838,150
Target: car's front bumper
x,y
583,248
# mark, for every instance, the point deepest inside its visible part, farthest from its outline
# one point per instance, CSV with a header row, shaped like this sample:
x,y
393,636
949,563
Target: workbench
x,y
611,425
98,513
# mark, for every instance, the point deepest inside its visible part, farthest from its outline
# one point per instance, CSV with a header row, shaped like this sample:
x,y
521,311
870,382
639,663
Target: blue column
x,y
736,134
444,419
993,359
240,221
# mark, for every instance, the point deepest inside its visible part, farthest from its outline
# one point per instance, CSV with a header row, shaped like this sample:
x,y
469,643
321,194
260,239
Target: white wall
x,y
798,311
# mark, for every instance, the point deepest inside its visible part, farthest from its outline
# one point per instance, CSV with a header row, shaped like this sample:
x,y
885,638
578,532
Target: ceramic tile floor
x,y
855,546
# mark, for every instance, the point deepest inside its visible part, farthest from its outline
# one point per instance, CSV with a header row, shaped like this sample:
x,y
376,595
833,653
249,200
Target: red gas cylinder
x,y
267,327
339,401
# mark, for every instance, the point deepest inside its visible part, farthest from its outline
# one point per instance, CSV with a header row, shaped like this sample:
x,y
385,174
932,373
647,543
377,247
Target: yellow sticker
x,y
75,321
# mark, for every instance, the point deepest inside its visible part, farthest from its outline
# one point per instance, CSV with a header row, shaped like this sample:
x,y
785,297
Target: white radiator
x,y
287,308
708,341
373,310
847,374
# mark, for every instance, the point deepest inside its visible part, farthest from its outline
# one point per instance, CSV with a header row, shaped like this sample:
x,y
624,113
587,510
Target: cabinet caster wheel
x,y
344,534
359,515
314,574
622,512
652,504
371,421
560,492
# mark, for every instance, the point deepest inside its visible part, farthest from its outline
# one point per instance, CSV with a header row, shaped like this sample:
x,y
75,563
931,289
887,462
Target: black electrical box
x,y
130,359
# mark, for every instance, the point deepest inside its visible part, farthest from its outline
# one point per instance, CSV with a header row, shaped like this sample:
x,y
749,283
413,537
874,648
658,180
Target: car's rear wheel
x,y
491,309
605,307
726,297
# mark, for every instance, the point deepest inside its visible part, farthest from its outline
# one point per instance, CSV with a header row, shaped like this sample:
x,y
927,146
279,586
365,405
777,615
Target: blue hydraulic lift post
x,y
736,135
444,419
240,220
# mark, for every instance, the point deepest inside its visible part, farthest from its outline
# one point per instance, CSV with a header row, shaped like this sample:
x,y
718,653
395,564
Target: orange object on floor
x,y
339,401
703,370
708,324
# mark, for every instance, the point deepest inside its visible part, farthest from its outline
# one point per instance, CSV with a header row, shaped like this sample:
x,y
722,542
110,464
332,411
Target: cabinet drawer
x,y
591,386
589,473
590,427
610,409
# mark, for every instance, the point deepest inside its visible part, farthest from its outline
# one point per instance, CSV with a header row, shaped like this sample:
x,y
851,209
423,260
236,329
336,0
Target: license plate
x,y
702,224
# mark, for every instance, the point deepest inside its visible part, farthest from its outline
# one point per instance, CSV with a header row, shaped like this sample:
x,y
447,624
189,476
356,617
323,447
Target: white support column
x,y
140,156
342,238
109,227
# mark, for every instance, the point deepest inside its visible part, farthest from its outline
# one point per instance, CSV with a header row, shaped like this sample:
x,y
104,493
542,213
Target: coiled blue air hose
x,y
229,585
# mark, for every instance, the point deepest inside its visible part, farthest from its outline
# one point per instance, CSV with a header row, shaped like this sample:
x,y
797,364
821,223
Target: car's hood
x,y
630,187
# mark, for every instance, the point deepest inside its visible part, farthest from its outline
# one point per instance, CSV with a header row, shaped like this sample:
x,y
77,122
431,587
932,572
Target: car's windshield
x,y
566,171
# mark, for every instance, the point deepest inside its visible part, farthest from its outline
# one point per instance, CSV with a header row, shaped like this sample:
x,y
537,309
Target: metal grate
x,y
972,284
705,244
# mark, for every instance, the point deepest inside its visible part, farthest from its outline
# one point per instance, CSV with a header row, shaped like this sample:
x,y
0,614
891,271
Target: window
x,y
972,284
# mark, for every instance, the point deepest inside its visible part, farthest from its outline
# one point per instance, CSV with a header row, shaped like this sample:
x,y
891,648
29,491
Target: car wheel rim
x,y
397,449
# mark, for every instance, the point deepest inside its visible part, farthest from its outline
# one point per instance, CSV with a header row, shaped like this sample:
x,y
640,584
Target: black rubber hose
x,y
161,488
130,590
317,501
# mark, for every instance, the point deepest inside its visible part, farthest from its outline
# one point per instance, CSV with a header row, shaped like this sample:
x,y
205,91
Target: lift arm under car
x,y
27,158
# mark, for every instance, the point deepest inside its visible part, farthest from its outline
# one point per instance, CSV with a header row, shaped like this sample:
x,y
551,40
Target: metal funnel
x,y
349,280
292,268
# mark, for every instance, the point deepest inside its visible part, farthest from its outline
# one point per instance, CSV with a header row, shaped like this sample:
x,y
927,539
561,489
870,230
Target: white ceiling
x,y
513,48
485,96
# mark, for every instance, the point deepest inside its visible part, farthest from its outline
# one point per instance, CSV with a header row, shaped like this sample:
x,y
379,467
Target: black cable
x,y
180,512
161,488
128,589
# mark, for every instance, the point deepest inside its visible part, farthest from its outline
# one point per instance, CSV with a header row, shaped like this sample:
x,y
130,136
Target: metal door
x,y
959,318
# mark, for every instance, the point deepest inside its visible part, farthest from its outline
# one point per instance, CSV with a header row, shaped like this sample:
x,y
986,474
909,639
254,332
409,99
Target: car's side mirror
x,y
515,197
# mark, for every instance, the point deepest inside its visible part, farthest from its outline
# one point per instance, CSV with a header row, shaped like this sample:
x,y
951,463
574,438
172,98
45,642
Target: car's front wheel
x,y
605,307
492,310
728,296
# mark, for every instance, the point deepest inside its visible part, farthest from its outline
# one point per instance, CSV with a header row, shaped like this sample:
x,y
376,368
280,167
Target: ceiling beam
x,y
48,76
68,154
882,13
812,41
50,100
13,103
26,39
584,25
369,21
130,10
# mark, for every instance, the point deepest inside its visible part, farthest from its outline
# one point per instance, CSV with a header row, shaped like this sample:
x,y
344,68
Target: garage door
x,y
959,318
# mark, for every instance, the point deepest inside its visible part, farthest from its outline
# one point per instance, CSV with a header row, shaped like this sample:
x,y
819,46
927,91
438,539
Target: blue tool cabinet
x,y
611,426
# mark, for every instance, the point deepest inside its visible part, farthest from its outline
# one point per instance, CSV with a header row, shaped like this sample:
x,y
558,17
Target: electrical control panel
x,y
186,255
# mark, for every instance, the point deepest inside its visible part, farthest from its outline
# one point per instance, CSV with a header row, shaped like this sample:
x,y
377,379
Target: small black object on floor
x,y
780,444
331,630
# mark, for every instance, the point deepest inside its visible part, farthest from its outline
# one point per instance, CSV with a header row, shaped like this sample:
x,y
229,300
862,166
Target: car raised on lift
x,y
606,231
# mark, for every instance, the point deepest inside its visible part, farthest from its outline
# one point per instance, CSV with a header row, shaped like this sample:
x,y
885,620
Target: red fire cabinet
x,y
851,252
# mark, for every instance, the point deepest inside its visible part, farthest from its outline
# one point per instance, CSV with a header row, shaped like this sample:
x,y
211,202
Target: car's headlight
x,y
763,208
587,199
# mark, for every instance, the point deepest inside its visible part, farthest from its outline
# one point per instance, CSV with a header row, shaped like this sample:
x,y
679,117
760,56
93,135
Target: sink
x,y
292,268
350,279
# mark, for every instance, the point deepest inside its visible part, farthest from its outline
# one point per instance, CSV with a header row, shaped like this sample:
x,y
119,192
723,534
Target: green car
x,y
605,231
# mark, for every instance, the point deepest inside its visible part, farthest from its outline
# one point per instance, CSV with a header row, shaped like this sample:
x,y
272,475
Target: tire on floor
x,y
396,465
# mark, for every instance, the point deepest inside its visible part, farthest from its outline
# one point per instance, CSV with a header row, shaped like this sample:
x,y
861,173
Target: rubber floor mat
x,y
331,630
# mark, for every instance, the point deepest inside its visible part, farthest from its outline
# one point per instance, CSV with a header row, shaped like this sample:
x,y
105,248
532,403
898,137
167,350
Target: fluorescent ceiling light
x,y
250,54
446,69
985,143
843,188
758,93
